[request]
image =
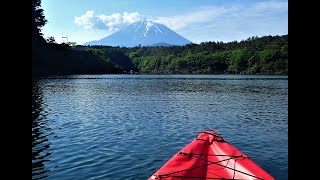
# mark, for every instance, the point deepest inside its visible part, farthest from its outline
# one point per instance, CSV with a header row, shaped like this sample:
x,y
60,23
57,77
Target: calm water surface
x,y
128,126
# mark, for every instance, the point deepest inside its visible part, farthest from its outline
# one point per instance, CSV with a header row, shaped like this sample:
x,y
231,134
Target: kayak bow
x,y
209,156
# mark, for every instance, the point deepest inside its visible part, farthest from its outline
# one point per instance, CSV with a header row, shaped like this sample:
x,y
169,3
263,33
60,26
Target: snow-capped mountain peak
x,y
144,32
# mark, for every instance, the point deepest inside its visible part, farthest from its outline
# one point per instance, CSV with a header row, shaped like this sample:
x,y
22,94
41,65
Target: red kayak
x,y
209,156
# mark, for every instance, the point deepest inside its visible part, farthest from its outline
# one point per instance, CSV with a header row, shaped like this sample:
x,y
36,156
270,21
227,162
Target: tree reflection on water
x,y
40,141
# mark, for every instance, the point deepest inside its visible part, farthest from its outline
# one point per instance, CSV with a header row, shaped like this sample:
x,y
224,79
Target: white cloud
x,y
216,15
110,23
269,5
86,20
212,23
117,20
230,23
202,15
129,18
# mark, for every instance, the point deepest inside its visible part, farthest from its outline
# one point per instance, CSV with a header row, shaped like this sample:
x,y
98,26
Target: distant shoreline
x,y
154,73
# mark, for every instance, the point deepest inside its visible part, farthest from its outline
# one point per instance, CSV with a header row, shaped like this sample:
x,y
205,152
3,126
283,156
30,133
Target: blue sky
x,y
196,20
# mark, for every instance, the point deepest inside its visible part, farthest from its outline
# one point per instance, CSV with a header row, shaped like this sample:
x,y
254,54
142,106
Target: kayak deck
x,y
209,156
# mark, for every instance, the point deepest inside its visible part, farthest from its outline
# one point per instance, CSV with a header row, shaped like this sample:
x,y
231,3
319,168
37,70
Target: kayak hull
x,y
209,156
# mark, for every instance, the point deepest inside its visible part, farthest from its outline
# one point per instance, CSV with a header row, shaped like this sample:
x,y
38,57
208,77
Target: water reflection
x,y
39,134
126,127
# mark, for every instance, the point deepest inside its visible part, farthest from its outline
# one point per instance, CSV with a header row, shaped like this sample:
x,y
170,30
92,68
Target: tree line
x,y
50,58
255,55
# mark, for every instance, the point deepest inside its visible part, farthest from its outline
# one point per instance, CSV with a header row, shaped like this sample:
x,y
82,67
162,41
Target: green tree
x,y
269,54
38,18
238,60
284,51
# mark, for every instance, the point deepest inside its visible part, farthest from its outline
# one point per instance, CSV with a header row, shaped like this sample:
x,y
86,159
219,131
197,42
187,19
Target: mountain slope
x,y
144,33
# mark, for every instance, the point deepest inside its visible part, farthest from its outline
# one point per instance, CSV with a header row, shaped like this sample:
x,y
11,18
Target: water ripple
x,y
126,127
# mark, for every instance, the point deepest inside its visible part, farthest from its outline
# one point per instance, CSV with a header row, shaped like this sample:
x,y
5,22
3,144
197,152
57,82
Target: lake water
x,y
128,126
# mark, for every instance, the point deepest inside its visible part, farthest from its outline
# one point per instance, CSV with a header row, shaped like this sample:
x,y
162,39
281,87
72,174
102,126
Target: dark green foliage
x,y
38,19
265,55
122,60
50,58
115,55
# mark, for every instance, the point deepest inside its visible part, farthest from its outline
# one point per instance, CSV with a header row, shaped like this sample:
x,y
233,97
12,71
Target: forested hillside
x,y
256,55
50,58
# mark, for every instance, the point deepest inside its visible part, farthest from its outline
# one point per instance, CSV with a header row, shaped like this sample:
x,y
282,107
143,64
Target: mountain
x,y
144,33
